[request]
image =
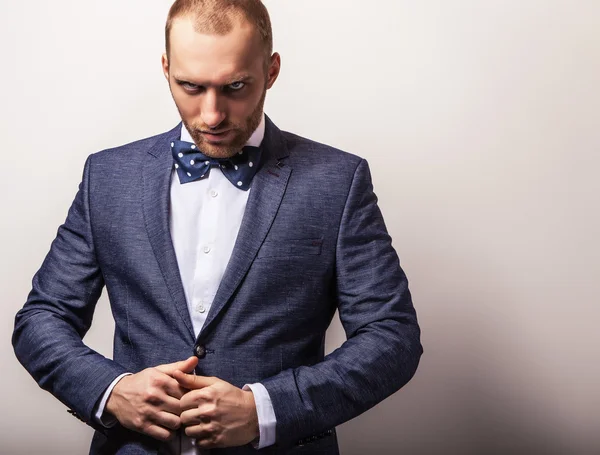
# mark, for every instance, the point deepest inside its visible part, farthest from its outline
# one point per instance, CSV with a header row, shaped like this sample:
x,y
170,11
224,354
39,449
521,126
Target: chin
x,y
219,150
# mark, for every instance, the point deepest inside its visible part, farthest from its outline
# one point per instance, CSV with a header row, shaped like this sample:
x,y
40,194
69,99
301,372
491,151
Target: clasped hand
x,y
160,400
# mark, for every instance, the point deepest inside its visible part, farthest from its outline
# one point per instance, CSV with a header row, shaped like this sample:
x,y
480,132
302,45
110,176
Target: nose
x,y
212,110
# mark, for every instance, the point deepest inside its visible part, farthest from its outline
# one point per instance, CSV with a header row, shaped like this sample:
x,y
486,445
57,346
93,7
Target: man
x,y
225,246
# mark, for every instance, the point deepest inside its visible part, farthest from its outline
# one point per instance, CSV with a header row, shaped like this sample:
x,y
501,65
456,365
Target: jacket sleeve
x,y
383,346
49,328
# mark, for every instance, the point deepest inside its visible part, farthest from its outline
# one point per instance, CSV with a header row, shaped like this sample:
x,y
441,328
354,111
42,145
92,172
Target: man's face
x,y
219,83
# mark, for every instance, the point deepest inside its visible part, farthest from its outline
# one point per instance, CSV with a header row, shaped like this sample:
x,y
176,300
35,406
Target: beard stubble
x,y
242,132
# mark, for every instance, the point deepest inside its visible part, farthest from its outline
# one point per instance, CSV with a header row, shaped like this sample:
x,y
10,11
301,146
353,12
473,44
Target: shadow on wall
x,y
475,391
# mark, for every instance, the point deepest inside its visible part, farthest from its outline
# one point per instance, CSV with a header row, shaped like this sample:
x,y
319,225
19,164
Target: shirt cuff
x,y
266,415
107,420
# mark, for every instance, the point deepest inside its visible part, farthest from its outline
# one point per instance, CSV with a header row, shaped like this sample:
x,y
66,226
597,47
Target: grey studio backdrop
x,y
480,121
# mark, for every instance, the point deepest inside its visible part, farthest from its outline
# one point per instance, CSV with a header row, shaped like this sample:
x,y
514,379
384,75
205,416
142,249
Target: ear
x,y
273,70
165,66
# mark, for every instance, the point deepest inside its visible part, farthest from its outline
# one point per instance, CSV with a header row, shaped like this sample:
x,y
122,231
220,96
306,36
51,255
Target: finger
x,y
193,382
160,433
193,399
167,420
163,386
174,389
209,443
170,405
186,366
204,434
193,417
206,437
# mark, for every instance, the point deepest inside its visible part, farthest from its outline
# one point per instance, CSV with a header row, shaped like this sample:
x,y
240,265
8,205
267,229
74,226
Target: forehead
x,y
203,57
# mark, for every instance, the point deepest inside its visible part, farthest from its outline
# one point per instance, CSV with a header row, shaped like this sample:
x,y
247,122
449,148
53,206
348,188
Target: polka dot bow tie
x,y
193,165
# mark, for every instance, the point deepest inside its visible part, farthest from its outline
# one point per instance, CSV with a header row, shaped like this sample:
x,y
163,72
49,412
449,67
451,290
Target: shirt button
x,y
213,193
200,308
207,249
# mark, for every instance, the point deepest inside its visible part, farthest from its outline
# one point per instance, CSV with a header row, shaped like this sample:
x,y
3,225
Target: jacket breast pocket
x,y
290,247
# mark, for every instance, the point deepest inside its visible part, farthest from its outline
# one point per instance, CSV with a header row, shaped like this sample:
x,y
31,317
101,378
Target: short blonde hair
x,y
217,16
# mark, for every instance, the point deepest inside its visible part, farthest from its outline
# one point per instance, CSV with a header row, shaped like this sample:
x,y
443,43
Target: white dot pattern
x,y
242,168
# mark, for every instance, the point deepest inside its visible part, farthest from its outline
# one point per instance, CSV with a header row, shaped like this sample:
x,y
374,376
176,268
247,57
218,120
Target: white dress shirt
x,y
207,212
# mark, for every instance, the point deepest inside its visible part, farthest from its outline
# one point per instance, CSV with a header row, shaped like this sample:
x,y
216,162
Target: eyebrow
x,y
241,77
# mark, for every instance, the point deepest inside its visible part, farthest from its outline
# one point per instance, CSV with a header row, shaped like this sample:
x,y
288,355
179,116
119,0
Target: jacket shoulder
x,y
135,149
303,150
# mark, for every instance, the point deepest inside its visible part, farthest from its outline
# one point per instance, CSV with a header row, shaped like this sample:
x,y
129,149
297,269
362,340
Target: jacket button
x,y
200,351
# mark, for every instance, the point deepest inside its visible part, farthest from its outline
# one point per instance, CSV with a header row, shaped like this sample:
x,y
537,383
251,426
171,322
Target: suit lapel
x,y
268,188
156,176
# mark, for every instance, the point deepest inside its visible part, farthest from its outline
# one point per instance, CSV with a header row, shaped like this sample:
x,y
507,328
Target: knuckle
x,y
146,412
138,422
149,395
160,380
155,379
193,398
210,410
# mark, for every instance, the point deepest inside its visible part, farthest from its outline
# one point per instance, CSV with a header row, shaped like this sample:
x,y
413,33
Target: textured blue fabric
x,y
312,240
191,164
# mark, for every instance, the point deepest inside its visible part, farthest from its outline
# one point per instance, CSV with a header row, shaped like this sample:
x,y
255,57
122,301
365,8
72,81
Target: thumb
x,y
192,382
187,366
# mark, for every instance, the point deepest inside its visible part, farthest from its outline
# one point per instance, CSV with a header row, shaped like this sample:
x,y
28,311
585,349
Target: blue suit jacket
x,y
312,240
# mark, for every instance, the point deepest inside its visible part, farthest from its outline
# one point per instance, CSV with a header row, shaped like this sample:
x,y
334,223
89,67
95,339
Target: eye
x,y
236,86
188,86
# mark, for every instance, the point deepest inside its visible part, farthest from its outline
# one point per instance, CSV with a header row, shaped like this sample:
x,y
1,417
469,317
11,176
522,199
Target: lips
x,y
215,137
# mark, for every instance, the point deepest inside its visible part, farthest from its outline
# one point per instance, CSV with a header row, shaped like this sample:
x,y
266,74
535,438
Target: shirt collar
x,y
254,141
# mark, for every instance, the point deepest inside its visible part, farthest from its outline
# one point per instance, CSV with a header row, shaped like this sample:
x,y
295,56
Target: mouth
x,y
215,137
